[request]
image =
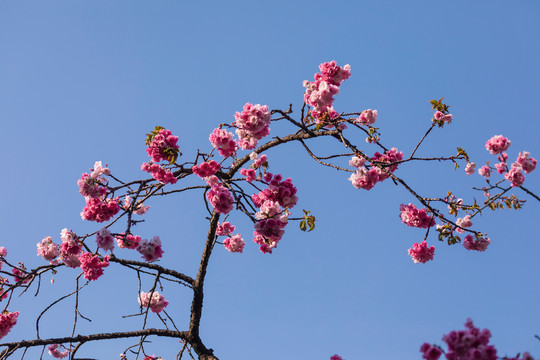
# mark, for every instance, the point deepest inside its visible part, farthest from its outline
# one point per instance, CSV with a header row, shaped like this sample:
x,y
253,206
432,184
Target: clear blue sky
x,y
82,81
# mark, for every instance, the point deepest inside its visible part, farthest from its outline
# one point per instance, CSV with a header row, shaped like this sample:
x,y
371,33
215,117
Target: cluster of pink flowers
x,y
90,185
336,357
497,144
470,168
389,157
222,140
19,274
70,248
154,300
234,243
225,229
249,174
464,222
159,173
258,161
150,249
55,352
320,93
162,146
100,210
272,218
440,116
128,241
47,249
92,266
252,125
413,217
469,344
421,253
220,197
364,178
477,244
138,209
105,240
367,117
206,169
7,321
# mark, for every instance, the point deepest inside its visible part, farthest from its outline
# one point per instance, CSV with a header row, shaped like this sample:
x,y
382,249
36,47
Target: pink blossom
x,y
159,173
484,171
364,178
440,116
463,222
266,245
150,250
252,125
91,265
225,229
98,171
20,276
469,344
206,169
7,321
259,161
104,239
332,73
335,357
234,243
421,253
70,248
389,157
138,209
497,144
526,161
478,244
357,161
470,168
55,352
367,117
283,192
249,174
515,175
413,217
221,199
47,249
222,140
163,146
430,352
90,187
3,251
154,300
128,241
100,210
501,167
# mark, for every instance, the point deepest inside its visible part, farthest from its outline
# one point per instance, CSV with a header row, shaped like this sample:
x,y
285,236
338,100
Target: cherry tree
x,y
232,175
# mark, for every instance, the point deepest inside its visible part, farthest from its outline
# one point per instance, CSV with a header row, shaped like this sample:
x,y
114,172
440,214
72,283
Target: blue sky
x,y
84,81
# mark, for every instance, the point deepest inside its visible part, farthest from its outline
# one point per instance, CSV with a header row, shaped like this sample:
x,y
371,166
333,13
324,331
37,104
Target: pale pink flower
x,y
3,251
526,161
252,125
150,249
440,116
357,161
154,300
497,144
261,161
221,199
364,178
105,240
139,208
249,174
128,241
470,344
234,243
367,117
162,146
222,140
389,157
478,244
47,249
55,352
421,253
501,167
463,222
484,171
470,168
159,173
515,175
99,170
20,275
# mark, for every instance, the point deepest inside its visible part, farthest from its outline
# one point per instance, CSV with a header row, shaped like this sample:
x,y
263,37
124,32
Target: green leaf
x,y
303,226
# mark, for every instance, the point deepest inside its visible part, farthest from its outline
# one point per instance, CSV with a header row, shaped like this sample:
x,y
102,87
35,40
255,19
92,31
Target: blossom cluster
x,y
524,163
222,141
7,321
413,217
206,169
159,173
469,344
320,93
381,167
162,145
478,244
91,186
92,266
220,197
154,300
150,249
421,253
138,208
252,124
55,352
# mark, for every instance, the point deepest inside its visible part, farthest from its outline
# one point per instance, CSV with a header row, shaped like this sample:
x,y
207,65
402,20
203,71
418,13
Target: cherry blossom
x,y
221,199
484,171
234,243
159,173
252,125
7,321
421,253
47,249
225,229
55,352
128,241
163,146
91,265
497,144
470,168
478,244
411,216
222,140
150,249
367,117
527,163
154,300
104,239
